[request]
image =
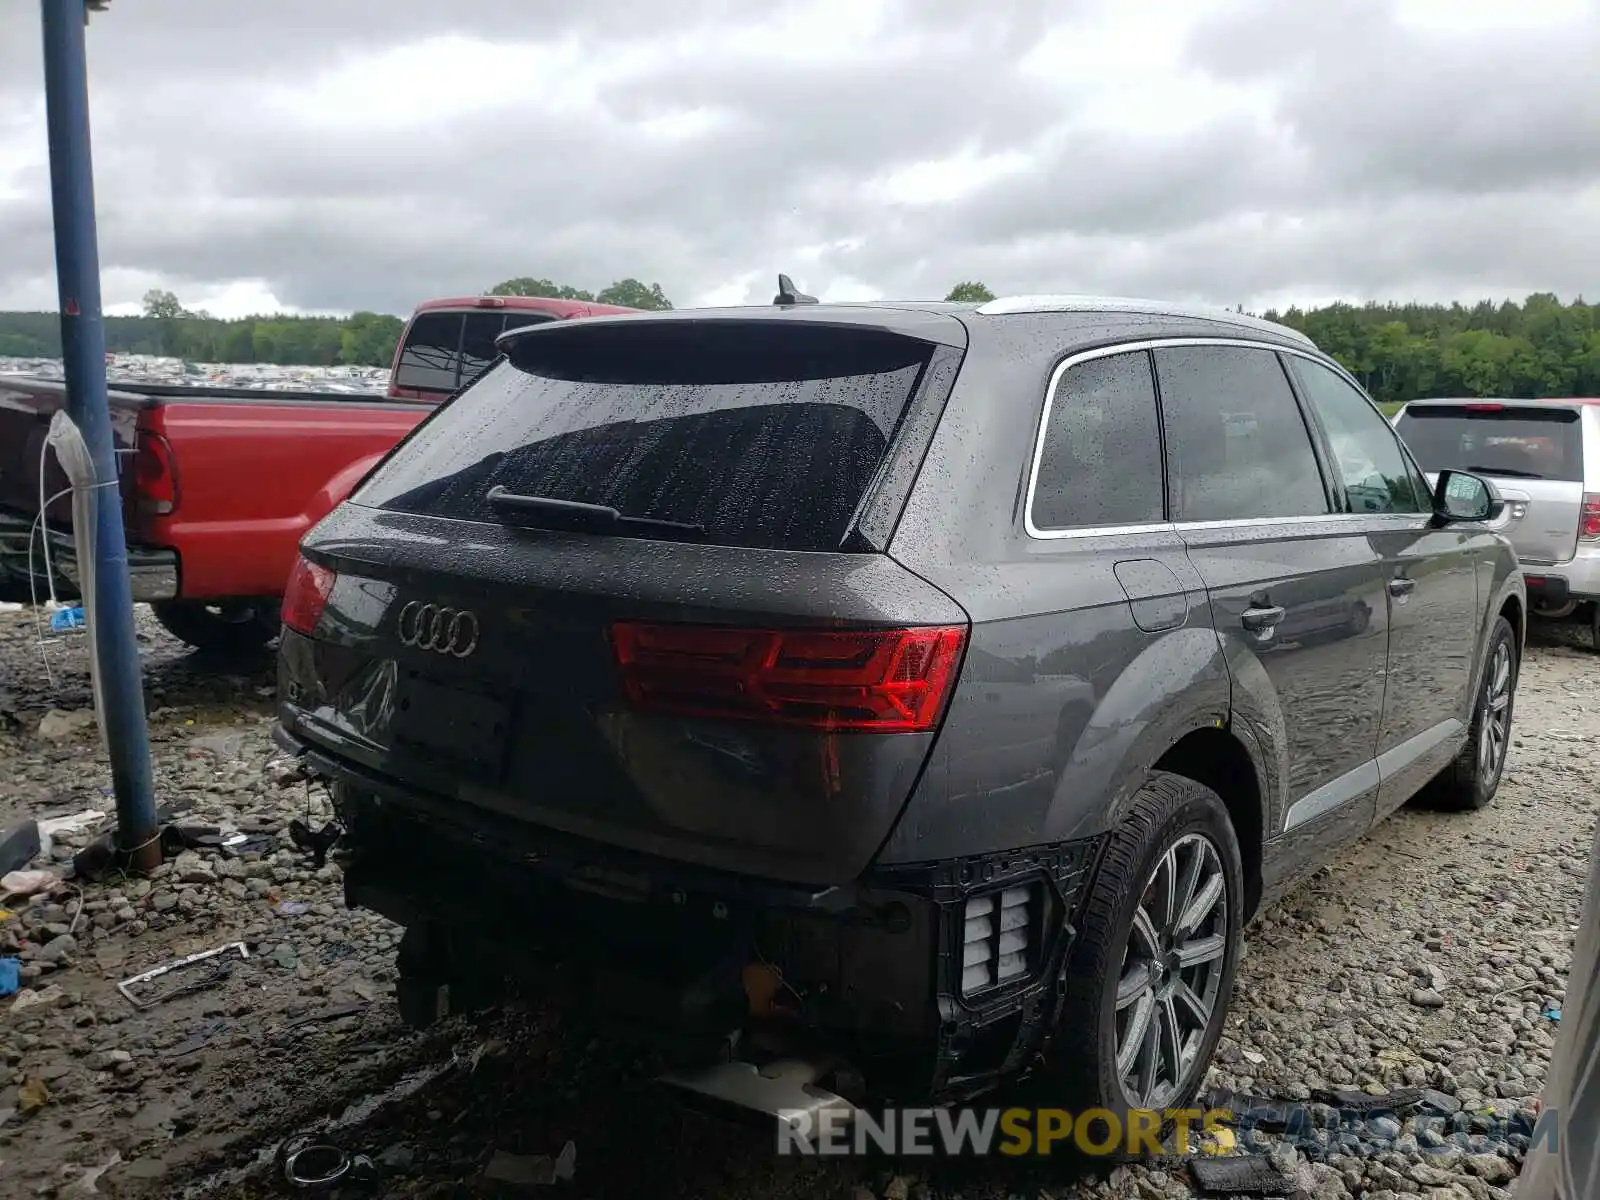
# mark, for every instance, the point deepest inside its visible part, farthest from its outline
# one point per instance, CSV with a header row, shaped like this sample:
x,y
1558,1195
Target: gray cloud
x,y
1380,161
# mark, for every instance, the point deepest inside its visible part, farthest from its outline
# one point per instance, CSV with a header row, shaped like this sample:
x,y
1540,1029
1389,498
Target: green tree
x,y
971,292
368,339
630,293
158,303
525,285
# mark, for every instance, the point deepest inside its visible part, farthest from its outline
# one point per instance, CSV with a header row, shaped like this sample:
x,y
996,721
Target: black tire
x,y
231,628
1169,814
1471,782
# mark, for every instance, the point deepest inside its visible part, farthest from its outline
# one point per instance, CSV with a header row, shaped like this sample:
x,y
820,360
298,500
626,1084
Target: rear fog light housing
x,y
871,681
997,942
306,595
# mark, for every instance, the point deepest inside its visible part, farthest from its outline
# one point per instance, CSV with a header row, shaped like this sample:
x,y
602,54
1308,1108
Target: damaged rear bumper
x,y
933,980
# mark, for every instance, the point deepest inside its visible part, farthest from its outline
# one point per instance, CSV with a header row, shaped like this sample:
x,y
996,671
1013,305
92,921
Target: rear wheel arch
x,y
1218,760
1512,610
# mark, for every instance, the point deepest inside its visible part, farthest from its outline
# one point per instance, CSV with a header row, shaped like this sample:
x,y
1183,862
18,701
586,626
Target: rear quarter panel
x,y
254,477
1063,703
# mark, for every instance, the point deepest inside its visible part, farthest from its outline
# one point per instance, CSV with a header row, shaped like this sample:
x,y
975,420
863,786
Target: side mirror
x,y
1461,496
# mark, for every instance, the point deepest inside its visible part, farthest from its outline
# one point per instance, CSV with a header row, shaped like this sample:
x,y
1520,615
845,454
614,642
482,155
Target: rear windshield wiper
x,y
547,512
1508,472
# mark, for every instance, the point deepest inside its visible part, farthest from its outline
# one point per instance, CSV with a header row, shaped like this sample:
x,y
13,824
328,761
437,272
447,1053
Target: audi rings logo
x,y
452,631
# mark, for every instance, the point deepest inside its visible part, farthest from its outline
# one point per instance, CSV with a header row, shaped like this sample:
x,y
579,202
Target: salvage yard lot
x,y
1433,954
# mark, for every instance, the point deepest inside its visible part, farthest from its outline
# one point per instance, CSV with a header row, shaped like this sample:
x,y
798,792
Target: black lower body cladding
x,y
929,981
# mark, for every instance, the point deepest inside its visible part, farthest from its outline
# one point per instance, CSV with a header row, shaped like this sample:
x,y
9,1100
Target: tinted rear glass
x,y
764,435
477,343
1525,443
431,354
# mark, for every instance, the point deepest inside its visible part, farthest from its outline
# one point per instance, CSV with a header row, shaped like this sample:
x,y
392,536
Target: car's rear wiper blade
x,y
1508,472
547,512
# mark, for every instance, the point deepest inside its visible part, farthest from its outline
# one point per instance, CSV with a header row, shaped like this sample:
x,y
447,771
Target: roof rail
x,y
1081,303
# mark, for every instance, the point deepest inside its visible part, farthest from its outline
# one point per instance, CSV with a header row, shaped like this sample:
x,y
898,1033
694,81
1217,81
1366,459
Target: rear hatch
x,y
1533,453
619,588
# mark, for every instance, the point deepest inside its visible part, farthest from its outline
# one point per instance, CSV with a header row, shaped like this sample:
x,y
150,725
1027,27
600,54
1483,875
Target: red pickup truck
x,y
224,482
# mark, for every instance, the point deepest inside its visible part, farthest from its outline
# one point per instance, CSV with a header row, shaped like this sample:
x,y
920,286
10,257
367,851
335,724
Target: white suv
x,y
1544,456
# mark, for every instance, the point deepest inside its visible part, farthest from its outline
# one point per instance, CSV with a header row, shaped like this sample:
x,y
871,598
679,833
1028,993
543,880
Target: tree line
x,y
1539,347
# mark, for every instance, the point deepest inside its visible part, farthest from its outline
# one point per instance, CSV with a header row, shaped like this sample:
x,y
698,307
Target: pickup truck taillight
x,y
155,474
869,681
306,595
1589,518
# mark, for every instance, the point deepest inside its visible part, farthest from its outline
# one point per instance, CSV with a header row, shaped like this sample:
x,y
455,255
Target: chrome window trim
x,y
1145,347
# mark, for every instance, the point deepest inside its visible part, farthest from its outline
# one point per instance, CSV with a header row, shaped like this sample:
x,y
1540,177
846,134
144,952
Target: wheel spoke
x,y
1150,1054
1172,1040
1201,906
1202,950
1134,984
1188,886
1189,1001
1169,888
1133,1038
1145,930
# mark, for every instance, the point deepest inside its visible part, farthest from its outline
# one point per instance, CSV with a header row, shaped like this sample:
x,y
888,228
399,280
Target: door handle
x,y
1257,619
1402,586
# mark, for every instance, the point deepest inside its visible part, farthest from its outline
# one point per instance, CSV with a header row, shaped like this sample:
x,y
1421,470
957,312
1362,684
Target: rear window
x,y
448,350
762,435
431,355
1519,443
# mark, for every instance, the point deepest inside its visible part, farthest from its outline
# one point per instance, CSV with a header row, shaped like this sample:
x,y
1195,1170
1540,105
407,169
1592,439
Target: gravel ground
x,y
1429,955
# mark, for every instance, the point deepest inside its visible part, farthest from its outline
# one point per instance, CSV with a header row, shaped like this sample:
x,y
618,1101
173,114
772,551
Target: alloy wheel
x,y
1495,728
1172,972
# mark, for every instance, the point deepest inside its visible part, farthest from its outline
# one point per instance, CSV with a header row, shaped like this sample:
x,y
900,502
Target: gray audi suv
x,y
915,696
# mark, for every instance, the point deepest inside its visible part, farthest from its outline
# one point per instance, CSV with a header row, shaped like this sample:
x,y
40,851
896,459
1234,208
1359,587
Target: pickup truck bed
x,y
218,487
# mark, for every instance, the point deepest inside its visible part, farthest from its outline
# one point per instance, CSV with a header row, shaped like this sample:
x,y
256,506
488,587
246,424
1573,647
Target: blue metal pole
x,y
83,346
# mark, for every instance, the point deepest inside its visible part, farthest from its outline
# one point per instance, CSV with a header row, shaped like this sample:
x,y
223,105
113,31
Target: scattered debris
x,y
532,1170
1552,1012
32,1095
79,822
64,619
308,1165
179,964
28,883
85,1184
19,847
10,976
316,842
336,1013
290,908
1241,1175
1364,1103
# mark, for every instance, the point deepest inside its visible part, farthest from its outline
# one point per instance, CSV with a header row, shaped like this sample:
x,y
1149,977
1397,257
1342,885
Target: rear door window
x,y
1100,461
1376,477
432,353
1237,443
758,434
1496,439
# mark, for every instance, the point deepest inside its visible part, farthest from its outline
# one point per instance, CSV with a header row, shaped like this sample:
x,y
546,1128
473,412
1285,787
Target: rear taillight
x,y
306,595
1589,518
878,681
155,475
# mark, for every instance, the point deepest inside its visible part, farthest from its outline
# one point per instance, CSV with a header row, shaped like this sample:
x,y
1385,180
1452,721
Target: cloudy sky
x,y
330,155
